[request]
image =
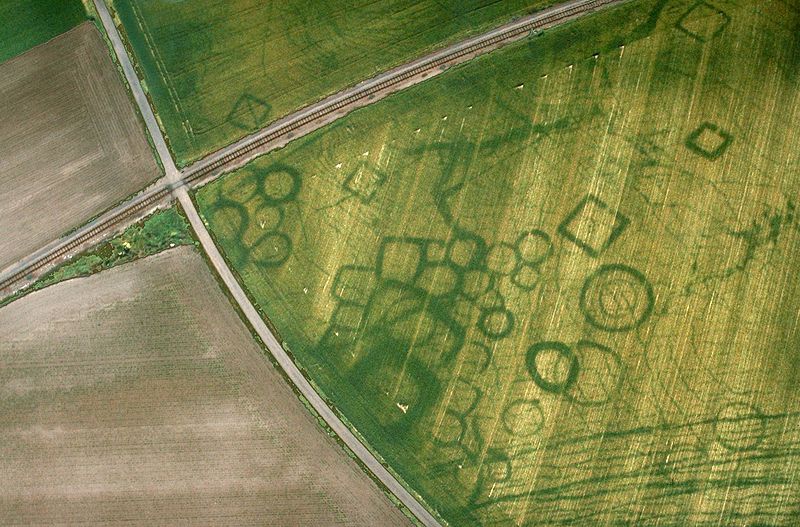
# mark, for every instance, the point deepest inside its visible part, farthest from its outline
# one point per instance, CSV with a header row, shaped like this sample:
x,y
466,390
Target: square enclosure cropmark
x,y
354,284
592,225
709,141
364,181
249,112
400,259
703,22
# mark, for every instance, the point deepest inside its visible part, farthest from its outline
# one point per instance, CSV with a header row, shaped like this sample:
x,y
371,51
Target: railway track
x,y
398,76
215,164
102,224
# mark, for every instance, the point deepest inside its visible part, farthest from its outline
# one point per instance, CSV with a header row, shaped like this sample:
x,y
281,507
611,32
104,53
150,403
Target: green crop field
x,y
217,71
27,23
558,285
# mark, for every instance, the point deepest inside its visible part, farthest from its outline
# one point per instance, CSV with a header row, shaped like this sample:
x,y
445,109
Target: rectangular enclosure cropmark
x,y
249,112
709,141
364,181
217,71
554,309
592,225
703,22
400,259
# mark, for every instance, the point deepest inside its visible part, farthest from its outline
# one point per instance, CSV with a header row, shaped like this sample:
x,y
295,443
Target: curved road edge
x,y
293,372
237,293
176,181
306,120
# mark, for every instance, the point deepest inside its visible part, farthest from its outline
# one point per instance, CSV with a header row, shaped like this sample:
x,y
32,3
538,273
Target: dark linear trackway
x,y
279,133
297,124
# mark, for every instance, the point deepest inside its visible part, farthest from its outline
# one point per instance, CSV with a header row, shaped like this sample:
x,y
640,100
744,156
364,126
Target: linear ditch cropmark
x,y
410,292
201,169
470,262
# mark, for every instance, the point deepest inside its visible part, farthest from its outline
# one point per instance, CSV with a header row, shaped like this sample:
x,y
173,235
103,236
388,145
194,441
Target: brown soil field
x,y
71,143
138,396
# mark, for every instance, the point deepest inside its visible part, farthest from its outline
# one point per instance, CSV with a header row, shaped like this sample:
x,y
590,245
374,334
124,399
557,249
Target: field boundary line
x,y
292,371
179,190
312,117
162,67
276,135
300,123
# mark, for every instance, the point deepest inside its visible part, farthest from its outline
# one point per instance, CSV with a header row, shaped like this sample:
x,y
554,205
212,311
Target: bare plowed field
x,y
137,396
557,286
71,144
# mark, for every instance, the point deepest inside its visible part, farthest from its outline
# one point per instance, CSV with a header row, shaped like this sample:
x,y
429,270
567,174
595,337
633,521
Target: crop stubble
x,y
71,143
137,395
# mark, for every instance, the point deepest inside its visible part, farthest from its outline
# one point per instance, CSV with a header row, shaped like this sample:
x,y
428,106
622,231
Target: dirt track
x,y
71,144
137,395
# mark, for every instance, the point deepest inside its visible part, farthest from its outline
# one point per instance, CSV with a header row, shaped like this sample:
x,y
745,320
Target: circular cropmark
x,y
501,259
534,247
600,375
740,427
552,365
616,297
229,216
496,322
272,250
523,417
269,218
450,431
526,277
279,184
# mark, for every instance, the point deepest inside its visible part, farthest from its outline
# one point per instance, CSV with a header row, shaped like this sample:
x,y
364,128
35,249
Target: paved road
x,y
428,64
274,347
14,274
172,173
175,180
295,376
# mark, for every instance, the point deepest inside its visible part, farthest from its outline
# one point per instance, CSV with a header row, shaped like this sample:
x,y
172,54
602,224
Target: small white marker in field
x,y
263,223
338,165
444,118
171,245
336,333
403,407
519,87
365,154
469,107
417,130
305,290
